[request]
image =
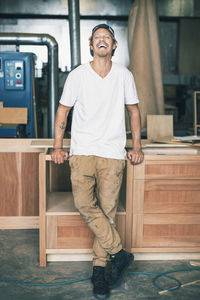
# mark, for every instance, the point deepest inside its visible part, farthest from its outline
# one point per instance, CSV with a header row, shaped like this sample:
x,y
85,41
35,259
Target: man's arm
x,y
135,155
58,155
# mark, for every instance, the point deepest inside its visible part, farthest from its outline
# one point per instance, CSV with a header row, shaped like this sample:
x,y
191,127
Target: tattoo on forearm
x,y
62,126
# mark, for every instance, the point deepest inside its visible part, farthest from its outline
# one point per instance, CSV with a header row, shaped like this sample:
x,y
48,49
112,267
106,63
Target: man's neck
x,y
101,66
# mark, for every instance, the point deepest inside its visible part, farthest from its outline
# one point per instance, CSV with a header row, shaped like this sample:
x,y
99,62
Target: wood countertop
x,y
38,145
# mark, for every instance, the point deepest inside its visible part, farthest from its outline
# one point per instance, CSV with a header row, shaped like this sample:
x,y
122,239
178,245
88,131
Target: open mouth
x,y
102,46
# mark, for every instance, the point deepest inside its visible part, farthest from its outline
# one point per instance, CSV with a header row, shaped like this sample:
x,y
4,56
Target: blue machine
x,y
17,84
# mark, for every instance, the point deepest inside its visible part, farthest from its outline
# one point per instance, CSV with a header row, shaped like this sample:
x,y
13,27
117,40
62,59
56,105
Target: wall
x,y
51,16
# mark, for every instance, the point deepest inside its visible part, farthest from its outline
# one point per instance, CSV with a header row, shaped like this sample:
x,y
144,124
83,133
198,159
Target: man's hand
x,y
59,156
135,156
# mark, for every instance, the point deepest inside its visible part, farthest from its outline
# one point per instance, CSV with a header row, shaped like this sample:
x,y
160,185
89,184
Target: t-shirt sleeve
x,y
131,96
69,94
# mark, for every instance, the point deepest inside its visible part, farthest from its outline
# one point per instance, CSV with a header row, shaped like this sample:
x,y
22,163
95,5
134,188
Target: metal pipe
x,y
74,28
41,39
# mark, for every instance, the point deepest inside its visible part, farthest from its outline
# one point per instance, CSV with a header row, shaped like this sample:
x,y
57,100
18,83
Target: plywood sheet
x,y
174,202
159,126
10,115
19,184
184,169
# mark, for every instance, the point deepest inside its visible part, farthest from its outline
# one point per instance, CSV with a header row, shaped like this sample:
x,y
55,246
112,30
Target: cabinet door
x,y
68,232
71,232
166,206
172,169
19,184
168,167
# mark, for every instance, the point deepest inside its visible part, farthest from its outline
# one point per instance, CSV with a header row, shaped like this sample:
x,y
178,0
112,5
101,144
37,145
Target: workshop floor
x,y
19,262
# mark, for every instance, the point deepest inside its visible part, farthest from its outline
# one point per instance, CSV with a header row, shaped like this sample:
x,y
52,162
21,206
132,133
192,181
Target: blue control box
x,y
17,85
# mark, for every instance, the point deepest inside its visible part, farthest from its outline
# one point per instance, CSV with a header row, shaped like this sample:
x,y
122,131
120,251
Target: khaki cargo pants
x,y
96,183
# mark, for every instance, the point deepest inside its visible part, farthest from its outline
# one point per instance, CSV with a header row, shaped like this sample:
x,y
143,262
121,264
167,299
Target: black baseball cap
x,y
107,27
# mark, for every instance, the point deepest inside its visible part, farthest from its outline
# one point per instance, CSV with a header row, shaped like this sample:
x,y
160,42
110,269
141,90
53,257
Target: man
x,y
99,91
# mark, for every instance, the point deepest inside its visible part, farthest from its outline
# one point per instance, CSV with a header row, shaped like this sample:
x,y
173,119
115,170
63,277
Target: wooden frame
x,y
62,230
166,204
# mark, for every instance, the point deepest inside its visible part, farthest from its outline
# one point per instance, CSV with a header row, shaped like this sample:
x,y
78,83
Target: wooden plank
x,y
72,230
62,203
51,231
19,184
129,203
18,222
174,202
172,163
42,208
48,143
137,256
159,126
137,233
163,242
171,230
71,221
172,219
30,184
17,145
172,185
139,170
171,157
10,115
121,228
70,257
179,250
186,169
82,241
10,184
63,213
138,196
69,251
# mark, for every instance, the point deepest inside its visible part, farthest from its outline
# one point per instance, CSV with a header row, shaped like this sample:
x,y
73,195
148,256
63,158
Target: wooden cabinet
x,y
63,232
159,202
19,184
165,207
159,209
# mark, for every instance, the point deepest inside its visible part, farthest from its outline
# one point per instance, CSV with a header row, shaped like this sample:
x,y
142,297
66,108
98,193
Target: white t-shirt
x,y
98,124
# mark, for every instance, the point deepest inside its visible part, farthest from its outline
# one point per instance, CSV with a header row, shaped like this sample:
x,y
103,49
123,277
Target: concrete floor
x,y
20,262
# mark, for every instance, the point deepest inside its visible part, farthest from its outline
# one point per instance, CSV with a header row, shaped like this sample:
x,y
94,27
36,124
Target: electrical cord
x,y
156,285
43,284
158,275
165,275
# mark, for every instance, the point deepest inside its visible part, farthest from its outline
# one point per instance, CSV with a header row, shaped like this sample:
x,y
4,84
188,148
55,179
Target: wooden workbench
x,y
159,214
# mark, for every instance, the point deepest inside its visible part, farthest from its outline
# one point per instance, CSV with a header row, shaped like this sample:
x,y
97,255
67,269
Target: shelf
x,y
62,204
